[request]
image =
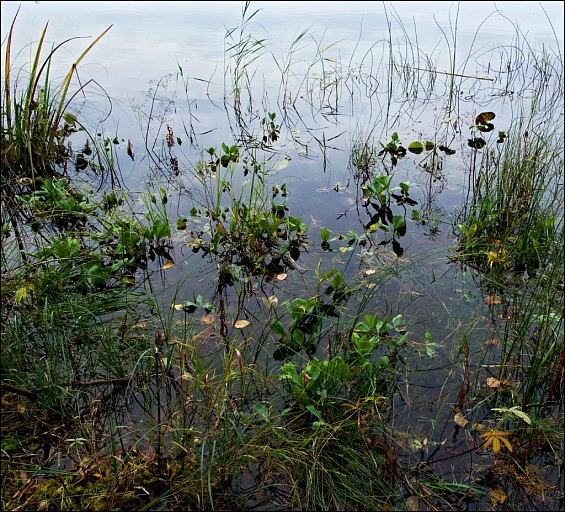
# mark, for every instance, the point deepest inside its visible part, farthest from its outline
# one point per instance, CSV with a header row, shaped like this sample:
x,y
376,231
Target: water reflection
x,y
333,124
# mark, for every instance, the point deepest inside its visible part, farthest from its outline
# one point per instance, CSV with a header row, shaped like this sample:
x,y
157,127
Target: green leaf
x,y
289,372
314,411
262,411
516,410
277,327
70,118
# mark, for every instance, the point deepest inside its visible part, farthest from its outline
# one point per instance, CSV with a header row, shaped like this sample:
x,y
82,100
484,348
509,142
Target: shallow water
x,y
150,40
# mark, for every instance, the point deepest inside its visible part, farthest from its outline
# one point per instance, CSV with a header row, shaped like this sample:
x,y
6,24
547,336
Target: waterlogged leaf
x,y
492,299
413,503
492,342
240,324
168,265
283,164
485,117
497,496
460,419
446,150
477,143
492,382
271,301
489,127
207,319
262,411
416,147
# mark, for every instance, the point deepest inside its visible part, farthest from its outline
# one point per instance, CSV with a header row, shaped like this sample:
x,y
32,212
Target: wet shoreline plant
x,y
261,370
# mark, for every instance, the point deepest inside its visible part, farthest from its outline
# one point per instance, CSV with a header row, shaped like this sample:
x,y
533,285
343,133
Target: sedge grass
x,y
199,394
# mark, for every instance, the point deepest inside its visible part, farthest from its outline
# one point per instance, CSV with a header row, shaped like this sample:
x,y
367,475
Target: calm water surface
x,y
151,40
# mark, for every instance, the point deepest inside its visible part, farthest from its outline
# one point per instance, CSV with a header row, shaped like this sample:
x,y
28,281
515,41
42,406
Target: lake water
x,y
344,100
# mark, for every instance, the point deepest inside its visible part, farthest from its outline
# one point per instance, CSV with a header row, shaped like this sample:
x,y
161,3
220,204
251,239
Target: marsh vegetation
x,y
236,335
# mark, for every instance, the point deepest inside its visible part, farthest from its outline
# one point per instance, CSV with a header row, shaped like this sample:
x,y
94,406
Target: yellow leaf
x,y
178,307
492,382
208,319
240,324
460,419
221,229
497,496
495,445
167,265
507,443
494,437
21,294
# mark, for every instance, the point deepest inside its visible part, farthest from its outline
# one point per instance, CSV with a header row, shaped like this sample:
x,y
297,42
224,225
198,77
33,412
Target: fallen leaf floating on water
x,y
460,419
167,265
178,307
492,342
240,324
369,271
282,276
492,299
413,503
497,496
495,383
208,319
270,301
492,382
